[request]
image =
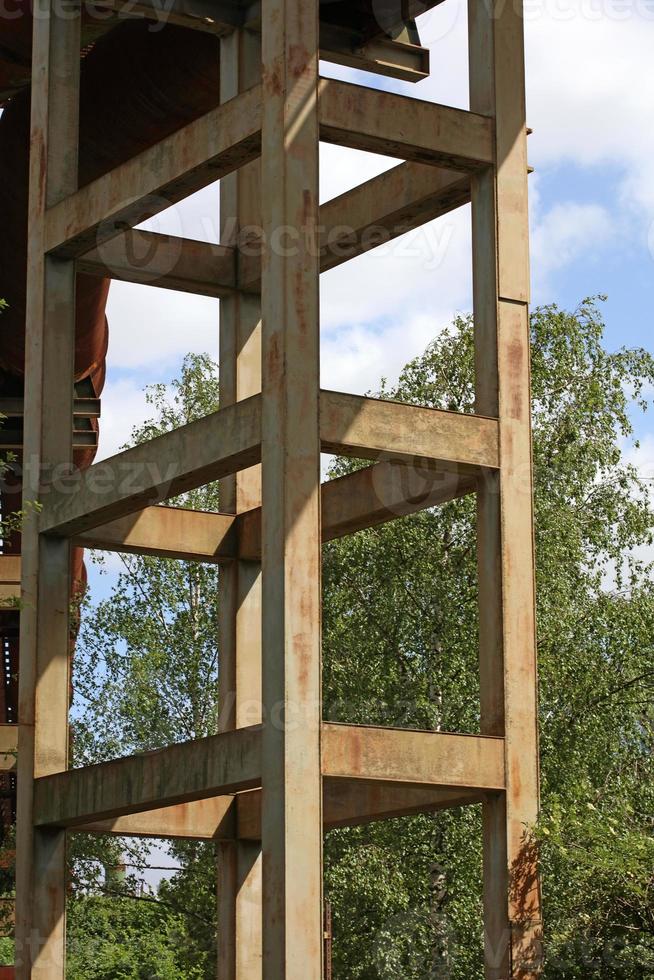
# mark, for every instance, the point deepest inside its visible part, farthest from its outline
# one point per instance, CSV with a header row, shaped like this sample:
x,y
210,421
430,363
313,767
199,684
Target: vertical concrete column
x,y
44,632
505,501
292,796
239,873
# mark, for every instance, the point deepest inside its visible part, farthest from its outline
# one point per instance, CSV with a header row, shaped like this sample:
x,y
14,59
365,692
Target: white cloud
x,y
197,217
590,82
341,169
152,328
123,407
382,309
425,269
356,359
590,92
563,234
591,87
642,457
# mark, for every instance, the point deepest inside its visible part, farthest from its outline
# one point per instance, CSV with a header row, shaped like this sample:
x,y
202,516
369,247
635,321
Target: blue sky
x,y
590,76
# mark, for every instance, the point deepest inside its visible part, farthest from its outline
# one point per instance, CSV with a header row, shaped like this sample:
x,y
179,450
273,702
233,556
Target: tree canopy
x,y
400,648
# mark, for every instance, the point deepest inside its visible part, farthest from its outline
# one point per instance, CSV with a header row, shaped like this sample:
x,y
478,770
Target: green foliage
x,y
400,645
400,648
193,892
146,663
124,939
597,851
145,675
394,914
7,950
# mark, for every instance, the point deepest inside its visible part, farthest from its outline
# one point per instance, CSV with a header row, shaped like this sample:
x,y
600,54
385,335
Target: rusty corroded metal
x,y
277,776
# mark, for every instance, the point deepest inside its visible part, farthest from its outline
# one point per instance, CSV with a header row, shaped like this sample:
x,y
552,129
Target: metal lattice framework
x,y
266,787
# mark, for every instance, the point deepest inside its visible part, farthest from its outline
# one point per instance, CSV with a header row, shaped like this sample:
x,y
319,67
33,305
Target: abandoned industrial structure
x,y
110,123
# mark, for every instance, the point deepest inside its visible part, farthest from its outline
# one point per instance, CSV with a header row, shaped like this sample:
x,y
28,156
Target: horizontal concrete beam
x,y
351,503
422,439
168,532
151,259
346,803
213,146
386,207
195,454
349,803
401,756
384,492
409,129
212,819
229,136
214,766
366,498
353,803
370,428
377,211
395,761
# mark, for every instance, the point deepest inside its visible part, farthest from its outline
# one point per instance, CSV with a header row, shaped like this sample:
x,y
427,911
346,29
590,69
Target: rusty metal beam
x,y
397,126
351,503
368,497
384,492
152,259
211,819
229,137
346,803
214,766
312,775
43,737
377,211
88,408
369,428
387,206
369,774
400,756
392,50
381,55
12,437
168,532
352,803
512,913
188,457
196,155
239,951
291,816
